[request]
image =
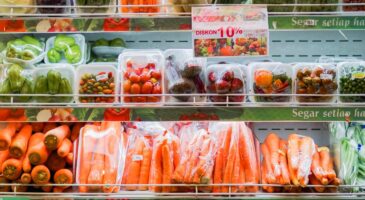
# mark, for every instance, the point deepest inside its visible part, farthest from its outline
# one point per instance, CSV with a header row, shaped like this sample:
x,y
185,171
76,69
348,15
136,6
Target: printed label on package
x,y
221,31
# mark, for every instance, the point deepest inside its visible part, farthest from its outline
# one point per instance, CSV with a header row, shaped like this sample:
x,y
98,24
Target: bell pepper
x,y
53,81
41,87
101,42
65,88
30,52
26,89
15,77
53,56
117,42
73,54
111,24
117,114
63,42
32,41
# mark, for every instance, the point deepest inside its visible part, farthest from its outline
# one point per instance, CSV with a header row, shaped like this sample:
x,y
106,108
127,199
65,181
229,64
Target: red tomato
x,y
145,77
135,89
147,88
134,78
156,75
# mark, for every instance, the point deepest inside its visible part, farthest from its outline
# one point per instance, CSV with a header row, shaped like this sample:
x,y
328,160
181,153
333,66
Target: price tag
x,y
101,77
230,31
137,157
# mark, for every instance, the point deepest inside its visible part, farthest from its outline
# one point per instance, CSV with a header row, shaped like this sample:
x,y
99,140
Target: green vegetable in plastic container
x,y
117,42
73,54
41,87
32,41
15,77
101,42
54,56
63,42
53,80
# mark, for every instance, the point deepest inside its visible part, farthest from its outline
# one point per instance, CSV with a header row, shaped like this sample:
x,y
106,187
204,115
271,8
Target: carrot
x,y
285,178
63,176
135,167
88,143
53,138
316,168
76,130
202,166
218,171
263,178
248,158
5,188
26,178
145,168
156,167
167,168
19,144
176,151
293,157
65,148
96,175
270,178
47,188
55,162
226,145
3,156
325,164
194,158
307,150
236,173
6,135
241,178
18,188
124,3
314,181
228,172
40,174
27,166
37,151
69,158
37,126
331,174
12,168
272,141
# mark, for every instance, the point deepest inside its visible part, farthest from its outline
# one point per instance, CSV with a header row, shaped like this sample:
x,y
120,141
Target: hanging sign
x,y
230,31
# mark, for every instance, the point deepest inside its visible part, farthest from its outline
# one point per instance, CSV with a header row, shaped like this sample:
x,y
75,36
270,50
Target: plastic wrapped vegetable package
x,y
26,51
271,78
99,6
101,157
142,73
226,79
141,8
351,81
16,81
184,75
17,10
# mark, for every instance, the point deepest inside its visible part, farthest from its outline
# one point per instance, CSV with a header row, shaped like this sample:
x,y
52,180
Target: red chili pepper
x,y
111,24
117,114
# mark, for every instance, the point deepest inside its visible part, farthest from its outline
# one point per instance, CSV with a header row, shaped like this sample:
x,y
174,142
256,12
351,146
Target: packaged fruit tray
x,y
226,79
142,73
351,81
270,78
99,80
184,74
54,79
315,78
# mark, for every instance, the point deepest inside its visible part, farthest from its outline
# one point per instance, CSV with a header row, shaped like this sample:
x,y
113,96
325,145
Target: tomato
x,y
153,99
157,89
145,77
147,88
127,86
135,89
4,113
134,78
139,99
156,75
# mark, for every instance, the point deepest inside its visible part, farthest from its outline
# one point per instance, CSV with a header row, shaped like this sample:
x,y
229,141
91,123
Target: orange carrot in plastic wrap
x,y
135,166
145,168
293,157
65,148
167,168
3,156
331,174
156,166
236,173
203,169
193,159
325,163
264,177
96,175
6,135
317,169
269,176
218,171
314,181
54,137
242,178
307,150
176,151
226,145
285,178
19,144
272,142
228,171
248,156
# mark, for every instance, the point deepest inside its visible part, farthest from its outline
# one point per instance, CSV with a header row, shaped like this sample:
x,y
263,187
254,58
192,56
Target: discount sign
x,y
230,31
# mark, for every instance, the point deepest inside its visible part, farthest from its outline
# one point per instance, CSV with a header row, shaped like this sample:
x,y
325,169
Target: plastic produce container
x,y
141,8
270,78
226,79
352,81
184,75
54,79
25,51
99,80
142,73
17,10
54,10
109,6
59,53
16,80
315,78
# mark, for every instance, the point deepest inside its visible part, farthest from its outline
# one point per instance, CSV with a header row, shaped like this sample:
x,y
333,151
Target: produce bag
x,y
315,79
165,157
142,8
352,81
23,7
226,79
138,160
66,49
142,74
184,75
101,157
25,51
271,78
16,81
57,79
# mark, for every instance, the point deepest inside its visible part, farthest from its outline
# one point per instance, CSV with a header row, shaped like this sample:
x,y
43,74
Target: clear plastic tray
x,y
139,60
66,70
319,71
80,40
110,9
95,69
351,79
277,80
107,50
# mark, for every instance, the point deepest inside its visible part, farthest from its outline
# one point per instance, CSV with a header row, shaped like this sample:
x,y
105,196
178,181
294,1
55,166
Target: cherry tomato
x,y
156,75
157,89
134,78
127,86
139,99
145,77
153,99
147,88
135,88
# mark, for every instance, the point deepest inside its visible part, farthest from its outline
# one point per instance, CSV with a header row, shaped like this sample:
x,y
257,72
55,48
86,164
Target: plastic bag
x,y
165,157
101,154
138,161
141,8
226,79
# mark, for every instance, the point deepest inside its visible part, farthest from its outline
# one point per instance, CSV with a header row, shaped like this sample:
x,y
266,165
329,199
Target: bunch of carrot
x,y
296,161
138,161
26,158
100,157
237,160
144,6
